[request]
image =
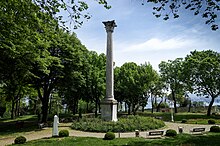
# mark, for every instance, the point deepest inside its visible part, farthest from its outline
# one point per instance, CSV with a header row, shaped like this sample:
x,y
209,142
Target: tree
x,y
60,62
157,90
208,9
202,69
96,78
148,78
17,49
131,84
22,31
2,103
33,48
171,72
128,84
76,10
72,86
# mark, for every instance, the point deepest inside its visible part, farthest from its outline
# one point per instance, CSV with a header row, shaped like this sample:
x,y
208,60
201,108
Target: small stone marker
x,y
180,129
55,126
137,133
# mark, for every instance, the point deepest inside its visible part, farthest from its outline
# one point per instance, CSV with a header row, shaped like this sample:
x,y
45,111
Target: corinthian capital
x,y
109,25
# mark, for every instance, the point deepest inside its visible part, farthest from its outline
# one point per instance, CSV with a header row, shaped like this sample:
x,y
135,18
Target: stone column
x,y
109,104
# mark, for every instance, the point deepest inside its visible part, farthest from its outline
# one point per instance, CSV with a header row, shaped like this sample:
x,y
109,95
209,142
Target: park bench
x,y
198,130
155,134
160,118
41,125
44,125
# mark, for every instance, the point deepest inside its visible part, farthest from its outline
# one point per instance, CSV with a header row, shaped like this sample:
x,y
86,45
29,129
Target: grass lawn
x,y
212,139
8,127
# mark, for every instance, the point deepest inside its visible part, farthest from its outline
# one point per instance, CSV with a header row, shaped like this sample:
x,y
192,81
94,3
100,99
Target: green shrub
x,y
125,124
164,105
20,140
215,129
109,136
63,133
184,121
211,121
171,132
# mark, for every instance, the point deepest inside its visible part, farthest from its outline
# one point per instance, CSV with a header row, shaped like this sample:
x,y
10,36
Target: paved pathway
x,y
48,132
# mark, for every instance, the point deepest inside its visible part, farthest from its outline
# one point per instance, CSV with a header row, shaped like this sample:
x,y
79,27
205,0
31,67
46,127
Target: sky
x,y
141,37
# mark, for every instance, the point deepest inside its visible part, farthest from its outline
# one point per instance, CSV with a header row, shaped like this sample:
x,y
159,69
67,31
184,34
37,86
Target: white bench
x,y
198,130
155,134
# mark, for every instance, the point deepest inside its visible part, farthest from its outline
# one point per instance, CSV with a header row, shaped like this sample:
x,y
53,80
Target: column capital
x,y
109,25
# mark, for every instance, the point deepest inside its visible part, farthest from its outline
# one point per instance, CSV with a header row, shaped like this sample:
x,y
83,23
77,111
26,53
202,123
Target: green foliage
x,y
167,9
171,132
184,121
211,121
215,129
109,136
63,133
37,52
129,123
171,73
164,105
132,83
201,70
20,140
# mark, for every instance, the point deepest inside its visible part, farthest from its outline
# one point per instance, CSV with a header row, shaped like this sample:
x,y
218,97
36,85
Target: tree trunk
x,y
87,107
126,107
73,107
16,108
50,104
210,106
99,105
134,109
175,108
35,107
96,107
158,106
12,109
174,101
19,112
77,105
189,106
44,110
142,109
45,107
152,103
129,109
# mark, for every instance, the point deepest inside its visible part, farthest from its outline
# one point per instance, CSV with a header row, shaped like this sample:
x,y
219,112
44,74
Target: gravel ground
x,y
47,132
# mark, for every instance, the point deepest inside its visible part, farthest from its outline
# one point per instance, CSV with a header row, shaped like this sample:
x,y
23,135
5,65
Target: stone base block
x,y
109,110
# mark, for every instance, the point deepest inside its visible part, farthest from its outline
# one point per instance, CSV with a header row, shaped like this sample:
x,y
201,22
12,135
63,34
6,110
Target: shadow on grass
x,y
182,140
21,124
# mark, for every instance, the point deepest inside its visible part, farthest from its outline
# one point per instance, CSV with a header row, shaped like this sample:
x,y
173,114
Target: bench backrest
x,y
151,133
198,129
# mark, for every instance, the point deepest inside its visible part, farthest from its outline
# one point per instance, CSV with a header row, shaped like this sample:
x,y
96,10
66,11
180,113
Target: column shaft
x,y
109,69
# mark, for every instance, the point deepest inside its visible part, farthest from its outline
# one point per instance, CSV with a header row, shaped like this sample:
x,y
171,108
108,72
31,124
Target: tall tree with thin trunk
x,y
171,72
203,71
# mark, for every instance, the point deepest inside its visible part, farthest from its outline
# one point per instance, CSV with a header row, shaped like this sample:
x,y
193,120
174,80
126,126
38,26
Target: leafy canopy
x,y
208,9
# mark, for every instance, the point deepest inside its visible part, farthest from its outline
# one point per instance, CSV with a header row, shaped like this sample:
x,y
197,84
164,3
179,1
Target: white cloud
x,y
155,44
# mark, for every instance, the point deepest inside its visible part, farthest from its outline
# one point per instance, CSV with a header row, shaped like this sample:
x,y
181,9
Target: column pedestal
x,y
109,110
